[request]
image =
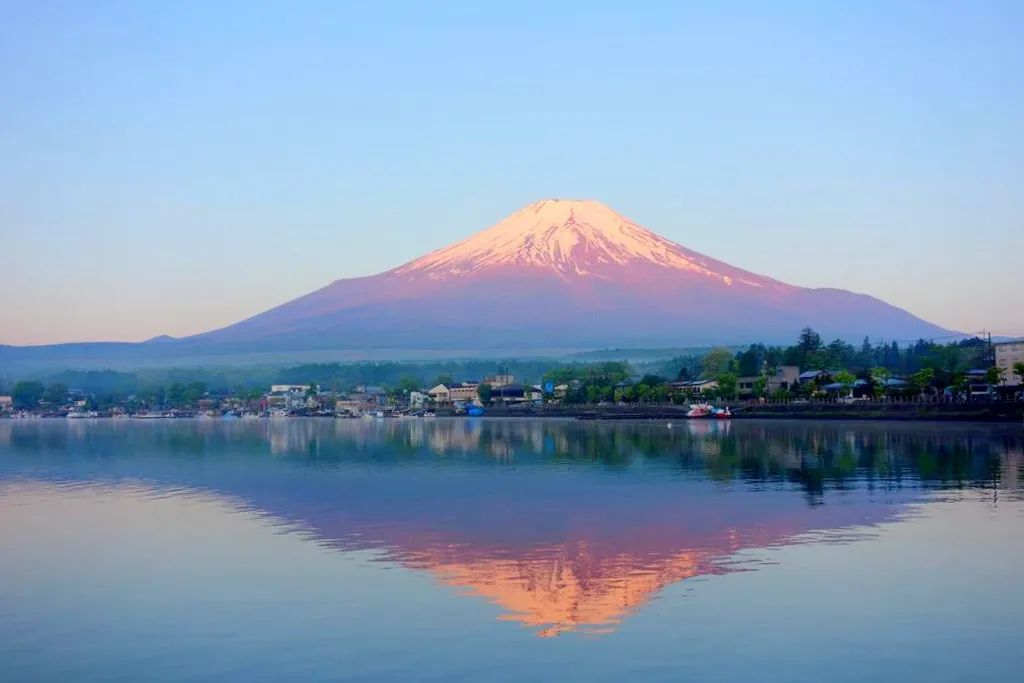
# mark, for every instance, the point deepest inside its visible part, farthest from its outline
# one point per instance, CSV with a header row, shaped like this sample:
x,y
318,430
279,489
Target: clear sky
x,y
174,167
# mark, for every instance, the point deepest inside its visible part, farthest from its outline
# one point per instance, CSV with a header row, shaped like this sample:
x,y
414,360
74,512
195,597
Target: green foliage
x,y
26,395
752,361
879,376
1018,369
846,380
727,385
185,395
485,391
922,379
56,394
994,375
716,362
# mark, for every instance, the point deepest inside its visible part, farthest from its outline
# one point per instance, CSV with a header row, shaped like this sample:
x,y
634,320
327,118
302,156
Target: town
x,y
809,372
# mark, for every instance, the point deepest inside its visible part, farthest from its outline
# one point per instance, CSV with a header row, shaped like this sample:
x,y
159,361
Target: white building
x,y
291,388
1008,353
440,395
6,404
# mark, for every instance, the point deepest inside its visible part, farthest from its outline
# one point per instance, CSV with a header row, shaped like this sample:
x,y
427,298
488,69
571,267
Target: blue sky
x,y
174,167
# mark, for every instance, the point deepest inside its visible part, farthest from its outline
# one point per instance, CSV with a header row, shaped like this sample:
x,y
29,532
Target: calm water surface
x,y
504,550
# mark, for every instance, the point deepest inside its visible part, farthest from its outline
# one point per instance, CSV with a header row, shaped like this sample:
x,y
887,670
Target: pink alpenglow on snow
x,y
567,274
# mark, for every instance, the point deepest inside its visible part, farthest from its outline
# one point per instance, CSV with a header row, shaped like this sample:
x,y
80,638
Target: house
x,y
288,396
6,404
440,395
814,376
463,393
499,380
695,387
745,386
1008,353
291,388
859,388
509,393
417,399
349,406
785,377
977,384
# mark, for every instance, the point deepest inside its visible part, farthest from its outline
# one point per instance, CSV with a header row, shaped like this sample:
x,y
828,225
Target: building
x,y
440,395
700,386
499,380
785,377
289,397
6,404
417,399
290,388
814,376
510,393
349,406
745,386
1008,353
464,393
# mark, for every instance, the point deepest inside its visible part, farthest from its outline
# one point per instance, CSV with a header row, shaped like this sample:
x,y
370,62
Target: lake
x,y
510,550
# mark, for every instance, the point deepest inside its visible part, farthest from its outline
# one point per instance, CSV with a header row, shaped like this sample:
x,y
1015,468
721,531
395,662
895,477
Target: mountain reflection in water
x,y
565,525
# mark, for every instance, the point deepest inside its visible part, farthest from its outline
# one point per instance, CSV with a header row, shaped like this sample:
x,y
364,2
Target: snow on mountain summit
x,y
572,238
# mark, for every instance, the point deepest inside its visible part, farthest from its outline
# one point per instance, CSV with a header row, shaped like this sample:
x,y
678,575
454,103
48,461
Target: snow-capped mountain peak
x,y
571,237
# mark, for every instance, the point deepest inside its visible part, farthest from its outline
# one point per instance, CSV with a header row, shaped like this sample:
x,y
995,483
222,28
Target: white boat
x,y
700,410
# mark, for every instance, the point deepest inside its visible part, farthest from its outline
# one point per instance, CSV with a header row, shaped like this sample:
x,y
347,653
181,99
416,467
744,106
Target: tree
x,y
716,362
727,385
810,341
760,384
751,361
485,391
880,377
839,355
407,385
1018,369
846,380
26,395
56,394
922,379
183,395
994,375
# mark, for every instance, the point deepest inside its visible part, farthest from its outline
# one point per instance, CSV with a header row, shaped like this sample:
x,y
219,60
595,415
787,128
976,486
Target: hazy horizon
x,y
175,169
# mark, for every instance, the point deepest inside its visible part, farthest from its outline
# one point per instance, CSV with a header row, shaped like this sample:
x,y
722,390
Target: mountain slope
x,y
564,274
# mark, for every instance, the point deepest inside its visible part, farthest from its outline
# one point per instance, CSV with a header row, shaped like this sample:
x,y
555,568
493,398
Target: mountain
x,y
556,277
564,274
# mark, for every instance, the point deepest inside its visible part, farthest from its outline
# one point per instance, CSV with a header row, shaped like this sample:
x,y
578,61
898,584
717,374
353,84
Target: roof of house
x,y
835,386
811,374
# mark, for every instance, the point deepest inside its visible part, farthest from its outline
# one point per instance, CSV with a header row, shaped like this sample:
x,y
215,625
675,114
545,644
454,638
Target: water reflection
x,y
565,525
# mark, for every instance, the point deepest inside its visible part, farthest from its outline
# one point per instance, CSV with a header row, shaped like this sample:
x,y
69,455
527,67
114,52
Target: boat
x,y
721,413
700,410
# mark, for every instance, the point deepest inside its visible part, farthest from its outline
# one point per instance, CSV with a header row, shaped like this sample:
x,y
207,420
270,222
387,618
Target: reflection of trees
x,y
815,456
